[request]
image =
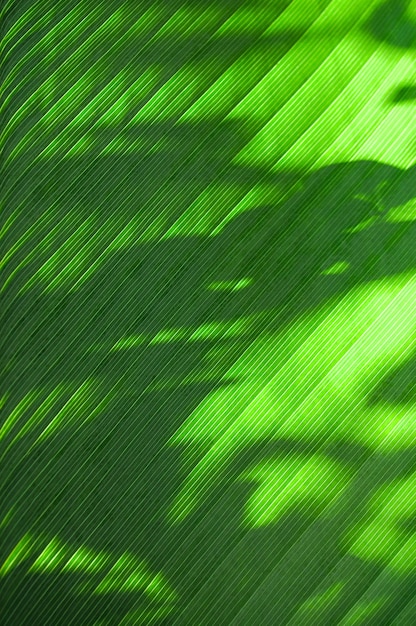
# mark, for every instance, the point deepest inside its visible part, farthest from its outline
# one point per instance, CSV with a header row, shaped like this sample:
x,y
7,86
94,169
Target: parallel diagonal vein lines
x,y
87,247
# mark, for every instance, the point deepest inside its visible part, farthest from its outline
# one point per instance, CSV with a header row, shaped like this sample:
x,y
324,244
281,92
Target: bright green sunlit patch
x,y
403,213
38,416
78,405
17,413
387,427
21,552
306,123
337,268
126,573
52,556
80,147
205,331
404,560
367,223
309,382
307,482
220,329
77,409
86,560
124,565
230,285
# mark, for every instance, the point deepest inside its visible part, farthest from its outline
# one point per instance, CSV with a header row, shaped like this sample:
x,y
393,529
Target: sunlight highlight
x,y
126,574
296,483
310,383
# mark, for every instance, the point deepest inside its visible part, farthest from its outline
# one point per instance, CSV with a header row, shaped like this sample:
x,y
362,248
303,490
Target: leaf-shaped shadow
x,y
393,22
398,387
403,94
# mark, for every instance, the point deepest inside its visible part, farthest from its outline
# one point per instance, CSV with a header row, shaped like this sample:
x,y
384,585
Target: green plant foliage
x,y
208,313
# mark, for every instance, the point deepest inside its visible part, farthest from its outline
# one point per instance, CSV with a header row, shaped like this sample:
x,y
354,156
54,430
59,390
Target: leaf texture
x,y
208,312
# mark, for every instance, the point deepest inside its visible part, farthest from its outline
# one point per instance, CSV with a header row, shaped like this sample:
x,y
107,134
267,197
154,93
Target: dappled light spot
x,y
404,560
85,560
64,406
308,483
364,611
50,558
81,146
169,334
309,383
364,225
337,268
386,427
38,415
318,602
126,574
78,408
210,330
230,285
404,213
21,552
17,413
